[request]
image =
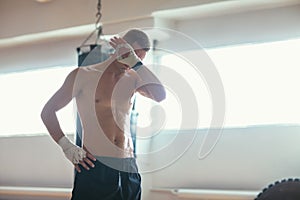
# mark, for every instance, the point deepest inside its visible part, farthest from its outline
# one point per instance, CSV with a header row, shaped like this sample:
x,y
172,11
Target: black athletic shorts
x,y
105,182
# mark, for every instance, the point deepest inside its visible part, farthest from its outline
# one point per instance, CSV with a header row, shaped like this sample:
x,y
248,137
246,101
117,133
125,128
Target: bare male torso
x,y
103,95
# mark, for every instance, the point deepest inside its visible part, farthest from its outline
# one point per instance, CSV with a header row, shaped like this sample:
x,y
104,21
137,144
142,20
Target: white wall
x,y
247,158
244,159
247,27
33,161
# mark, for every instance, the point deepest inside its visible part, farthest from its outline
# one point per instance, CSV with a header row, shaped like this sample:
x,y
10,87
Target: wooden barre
x,y
35,191
209,194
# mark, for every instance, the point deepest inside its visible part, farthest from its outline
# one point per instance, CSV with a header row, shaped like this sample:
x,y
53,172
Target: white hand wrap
x,y
131,59
74,153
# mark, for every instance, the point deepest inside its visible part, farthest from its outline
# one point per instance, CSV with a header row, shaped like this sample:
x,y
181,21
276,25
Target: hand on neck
x,y
117,67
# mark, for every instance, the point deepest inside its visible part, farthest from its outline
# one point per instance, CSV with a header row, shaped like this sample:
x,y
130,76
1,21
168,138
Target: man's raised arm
x,y
149,85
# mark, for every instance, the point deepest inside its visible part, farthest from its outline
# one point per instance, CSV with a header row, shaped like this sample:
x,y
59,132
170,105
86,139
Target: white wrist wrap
x,y
74,153
131,59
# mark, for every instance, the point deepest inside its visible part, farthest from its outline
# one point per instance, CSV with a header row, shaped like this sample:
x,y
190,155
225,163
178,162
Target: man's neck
x,y
116,67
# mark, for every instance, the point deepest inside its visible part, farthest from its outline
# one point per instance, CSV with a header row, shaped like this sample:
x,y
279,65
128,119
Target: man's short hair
x,y
139,36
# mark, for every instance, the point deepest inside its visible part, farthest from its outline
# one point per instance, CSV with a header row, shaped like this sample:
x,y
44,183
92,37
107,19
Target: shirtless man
x,y
105,165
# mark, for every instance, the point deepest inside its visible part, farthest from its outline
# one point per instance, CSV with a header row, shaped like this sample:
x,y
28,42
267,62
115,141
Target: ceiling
x,y
23,17
29,16
36,35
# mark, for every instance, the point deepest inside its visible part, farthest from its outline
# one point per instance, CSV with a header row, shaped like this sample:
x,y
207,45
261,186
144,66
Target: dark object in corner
x,y
287,189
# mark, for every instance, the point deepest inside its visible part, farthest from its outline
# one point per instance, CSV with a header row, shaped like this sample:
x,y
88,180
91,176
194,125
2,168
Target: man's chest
x,y
106,88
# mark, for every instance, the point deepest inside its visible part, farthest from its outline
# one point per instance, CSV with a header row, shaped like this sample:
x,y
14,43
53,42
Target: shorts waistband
x,y
120,164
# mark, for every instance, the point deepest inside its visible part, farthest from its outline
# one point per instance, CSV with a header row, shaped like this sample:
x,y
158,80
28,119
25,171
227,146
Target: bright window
x,y
261,84
23,96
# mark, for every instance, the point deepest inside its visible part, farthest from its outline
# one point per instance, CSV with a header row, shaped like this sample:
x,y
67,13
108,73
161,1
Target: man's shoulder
x,y
76,74
86,70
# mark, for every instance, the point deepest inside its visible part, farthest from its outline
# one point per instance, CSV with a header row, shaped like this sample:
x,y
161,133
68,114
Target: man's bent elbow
x,y
45,114
154,92
161,96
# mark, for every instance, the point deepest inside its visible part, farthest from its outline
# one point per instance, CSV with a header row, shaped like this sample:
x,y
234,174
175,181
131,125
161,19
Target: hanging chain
x,y
98,14
98,25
